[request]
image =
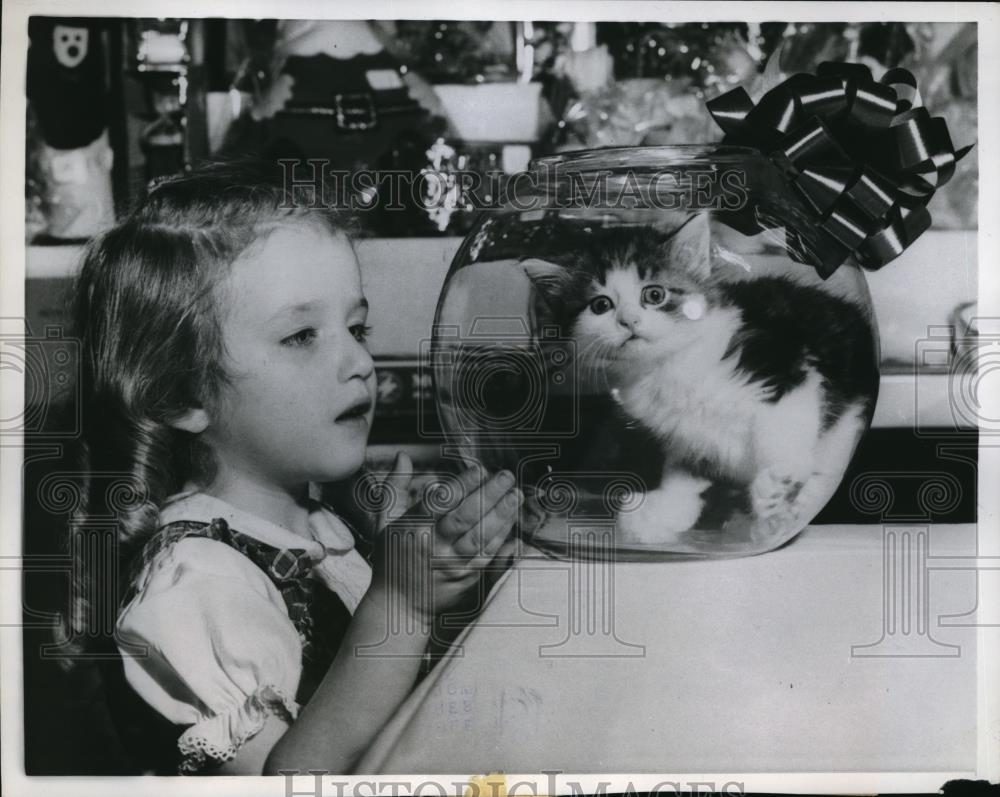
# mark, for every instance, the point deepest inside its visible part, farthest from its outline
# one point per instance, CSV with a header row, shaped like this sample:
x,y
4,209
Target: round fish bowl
x,y
650,340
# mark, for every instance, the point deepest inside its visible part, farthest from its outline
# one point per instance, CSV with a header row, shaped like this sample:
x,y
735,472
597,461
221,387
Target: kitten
x,y
762,383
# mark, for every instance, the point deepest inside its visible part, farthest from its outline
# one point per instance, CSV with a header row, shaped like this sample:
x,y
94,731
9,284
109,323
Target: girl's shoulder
x,y
202,534
192,546
192,535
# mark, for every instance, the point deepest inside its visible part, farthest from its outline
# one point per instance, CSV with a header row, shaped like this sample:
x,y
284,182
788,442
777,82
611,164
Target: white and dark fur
x,y
763,384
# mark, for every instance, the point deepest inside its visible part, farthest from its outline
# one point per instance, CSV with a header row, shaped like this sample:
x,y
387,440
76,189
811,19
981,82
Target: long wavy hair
x,y
151,348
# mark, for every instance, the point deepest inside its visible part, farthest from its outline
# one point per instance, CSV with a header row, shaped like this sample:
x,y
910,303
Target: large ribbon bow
x,y
865,155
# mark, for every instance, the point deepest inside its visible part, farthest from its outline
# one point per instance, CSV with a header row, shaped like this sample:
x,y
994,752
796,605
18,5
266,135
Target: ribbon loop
x,y
865,156
822,186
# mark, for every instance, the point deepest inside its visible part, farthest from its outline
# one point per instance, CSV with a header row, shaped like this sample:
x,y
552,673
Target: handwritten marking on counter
x,y
528,699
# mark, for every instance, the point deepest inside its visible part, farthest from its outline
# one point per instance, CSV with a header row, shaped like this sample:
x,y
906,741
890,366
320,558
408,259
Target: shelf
x,y
924,402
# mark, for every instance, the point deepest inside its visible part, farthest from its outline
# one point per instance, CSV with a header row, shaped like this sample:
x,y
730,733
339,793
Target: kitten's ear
x,y
690,245
549,279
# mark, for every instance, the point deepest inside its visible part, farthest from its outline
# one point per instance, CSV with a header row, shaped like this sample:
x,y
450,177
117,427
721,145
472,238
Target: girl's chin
x,y
338,473
350,457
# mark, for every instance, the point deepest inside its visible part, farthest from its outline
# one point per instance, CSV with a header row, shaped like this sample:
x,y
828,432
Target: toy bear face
x,y
70,45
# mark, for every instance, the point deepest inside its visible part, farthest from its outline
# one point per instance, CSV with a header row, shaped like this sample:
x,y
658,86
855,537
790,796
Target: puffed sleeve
x,y
220,653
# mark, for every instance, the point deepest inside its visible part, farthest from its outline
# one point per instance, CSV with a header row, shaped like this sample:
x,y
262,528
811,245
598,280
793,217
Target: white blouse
x,y
217,651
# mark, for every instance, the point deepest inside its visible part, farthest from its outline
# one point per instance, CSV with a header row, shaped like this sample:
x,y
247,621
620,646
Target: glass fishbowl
x,y
652,340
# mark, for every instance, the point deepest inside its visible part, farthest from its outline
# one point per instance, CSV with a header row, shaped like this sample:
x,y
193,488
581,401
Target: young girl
x,y
226,376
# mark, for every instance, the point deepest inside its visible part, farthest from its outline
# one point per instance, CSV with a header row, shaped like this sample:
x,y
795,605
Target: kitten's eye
x,y
654,295
361,332
303,337
601,305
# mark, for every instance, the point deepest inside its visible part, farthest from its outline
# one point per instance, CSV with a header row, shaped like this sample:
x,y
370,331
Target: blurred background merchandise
x,y
149,98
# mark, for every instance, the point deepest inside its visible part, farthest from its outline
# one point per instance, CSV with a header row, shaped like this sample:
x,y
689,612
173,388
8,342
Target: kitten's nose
x,y
629,318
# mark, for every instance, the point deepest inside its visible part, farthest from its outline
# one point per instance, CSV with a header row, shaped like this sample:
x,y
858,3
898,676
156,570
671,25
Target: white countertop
x,y
762,664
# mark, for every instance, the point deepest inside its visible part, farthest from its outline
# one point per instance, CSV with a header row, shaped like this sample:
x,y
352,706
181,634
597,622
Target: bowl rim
x,y
645,157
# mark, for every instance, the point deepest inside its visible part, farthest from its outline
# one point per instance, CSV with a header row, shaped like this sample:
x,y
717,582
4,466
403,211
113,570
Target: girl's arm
x,y
358,695
391,629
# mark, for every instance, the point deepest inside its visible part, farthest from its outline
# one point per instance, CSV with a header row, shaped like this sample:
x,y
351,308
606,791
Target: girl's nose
x,y
358,362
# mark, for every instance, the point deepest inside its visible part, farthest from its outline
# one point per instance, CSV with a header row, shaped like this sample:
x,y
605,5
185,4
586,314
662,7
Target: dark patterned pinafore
x,y
317,612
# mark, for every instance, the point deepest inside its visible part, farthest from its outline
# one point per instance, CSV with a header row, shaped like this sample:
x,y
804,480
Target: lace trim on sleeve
x,y
220,737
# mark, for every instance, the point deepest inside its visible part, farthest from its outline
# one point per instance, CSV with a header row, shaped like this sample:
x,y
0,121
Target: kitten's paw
x,y
814,494
663,513
773,494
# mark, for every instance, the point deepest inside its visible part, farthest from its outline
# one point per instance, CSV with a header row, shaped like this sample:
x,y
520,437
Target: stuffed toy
x,y
67,92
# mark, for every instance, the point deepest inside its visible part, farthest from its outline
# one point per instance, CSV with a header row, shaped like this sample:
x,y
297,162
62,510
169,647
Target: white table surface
x,y
741,665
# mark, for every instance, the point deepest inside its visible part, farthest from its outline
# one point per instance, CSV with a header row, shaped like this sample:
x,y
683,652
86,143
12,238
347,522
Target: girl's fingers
x,y
478,505
441,496
402,471
489,533
490,551
461,567
398,484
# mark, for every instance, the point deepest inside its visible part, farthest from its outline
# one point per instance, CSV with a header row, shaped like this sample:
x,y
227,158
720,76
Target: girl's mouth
x,y
355,411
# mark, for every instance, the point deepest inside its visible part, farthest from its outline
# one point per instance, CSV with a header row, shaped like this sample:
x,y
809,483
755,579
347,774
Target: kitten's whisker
x,y
594,364
581,357
590,358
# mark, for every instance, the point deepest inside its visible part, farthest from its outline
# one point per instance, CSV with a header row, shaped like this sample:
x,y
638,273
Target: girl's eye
x,y
301,338
361,332
654,295
601,305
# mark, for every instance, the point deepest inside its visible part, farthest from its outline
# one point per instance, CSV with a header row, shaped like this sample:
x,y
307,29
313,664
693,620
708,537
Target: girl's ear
x,y
194,420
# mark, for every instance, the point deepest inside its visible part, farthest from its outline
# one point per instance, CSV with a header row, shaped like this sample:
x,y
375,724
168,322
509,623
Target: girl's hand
x,y
533,516
398,486
403,490
432,554
370,503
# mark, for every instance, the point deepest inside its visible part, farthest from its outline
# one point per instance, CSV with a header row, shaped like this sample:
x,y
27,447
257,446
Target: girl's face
x,y
301,392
